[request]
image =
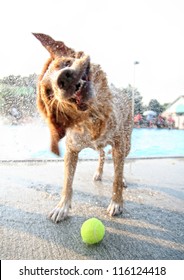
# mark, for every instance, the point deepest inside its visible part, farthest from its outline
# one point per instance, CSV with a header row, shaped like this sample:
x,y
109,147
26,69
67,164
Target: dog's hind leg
x,y
60,212
128,132
98,174
116,204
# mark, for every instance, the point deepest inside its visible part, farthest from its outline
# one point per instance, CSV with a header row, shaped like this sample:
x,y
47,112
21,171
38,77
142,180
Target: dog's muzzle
x,y
74,85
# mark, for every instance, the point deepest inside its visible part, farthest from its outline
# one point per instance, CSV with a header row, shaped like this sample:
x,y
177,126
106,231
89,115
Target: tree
x,y
138,105
18,97
155,106
164,106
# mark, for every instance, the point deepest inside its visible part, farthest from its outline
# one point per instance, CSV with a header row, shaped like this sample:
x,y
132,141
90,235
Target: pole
x,y
133,89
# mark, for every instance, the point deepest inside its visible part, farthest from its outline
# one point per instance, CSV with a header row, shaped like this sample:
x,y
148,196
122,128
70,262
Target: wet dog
x,y
76,101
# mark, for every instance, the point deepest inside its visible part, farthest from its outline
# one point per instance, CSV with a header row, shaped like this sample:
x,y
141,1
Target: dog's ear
x,y
79,54
55,48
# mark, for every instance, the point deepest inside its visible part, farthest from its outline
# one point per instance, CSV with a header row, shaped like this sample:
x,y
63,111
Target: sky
x,y
115,33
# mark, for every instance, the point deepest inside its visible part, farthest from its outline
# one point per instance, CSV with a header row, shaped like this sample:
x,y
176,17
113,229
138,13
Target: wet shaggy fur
x,y
76,101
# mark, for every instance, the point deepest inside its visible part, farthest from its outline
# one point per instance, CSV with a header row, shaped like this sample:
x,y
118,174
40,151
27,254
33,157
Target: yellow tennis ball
x,y
92,231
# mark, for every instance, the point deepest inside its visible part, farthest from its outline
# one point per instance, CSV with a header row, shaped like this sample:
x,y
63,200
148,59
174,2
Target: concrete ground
x,y
151,226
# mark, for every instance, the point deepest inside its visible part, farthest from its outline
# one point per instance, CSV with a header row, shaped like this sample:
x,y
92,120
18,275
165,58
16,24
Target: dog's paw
x,y
60,212
115,208
97,176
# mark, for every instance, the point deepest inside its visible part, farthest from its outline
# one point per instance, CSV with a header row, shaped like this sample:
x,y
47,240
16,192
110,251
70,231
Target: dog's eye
x,y
48,92
68,63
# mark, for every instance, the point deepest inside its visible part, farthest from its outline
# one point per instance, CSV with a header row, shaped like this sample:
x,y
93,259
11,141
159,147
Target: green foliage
x,y
139,107
164,106
138,104
18,97
155,106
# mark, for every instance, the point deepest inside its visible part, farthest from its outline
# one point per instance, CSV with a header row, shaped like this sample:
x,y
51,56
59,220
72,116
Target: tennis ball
x,y
92,231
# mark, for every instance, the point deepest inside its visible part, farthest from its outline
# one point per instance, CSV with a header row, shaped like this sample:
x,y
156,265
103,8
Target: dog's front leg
x,y
116,205
60,212
98,174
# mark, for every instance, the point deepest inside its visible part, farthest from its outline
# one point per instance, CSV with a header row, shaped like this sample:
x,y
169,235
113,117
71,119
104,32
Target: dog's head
x,y
66,77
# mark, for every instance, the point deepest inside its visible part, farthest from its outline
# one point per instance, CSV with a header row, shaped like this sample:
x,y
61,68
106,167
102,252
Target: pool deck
x,y
150,227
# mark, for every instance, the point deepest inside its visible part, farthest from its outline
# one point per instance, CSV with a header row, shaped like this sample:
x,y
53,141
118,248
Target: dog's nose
x,y
66,78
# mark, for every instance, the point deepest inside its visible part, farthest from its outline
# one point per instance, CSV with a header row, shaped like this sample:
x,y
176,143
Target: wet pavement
x,y
150,227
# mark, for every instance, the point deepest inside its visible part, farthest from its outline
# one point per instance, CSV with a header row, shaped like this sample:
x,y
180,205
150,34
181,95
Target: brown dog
x,y
76,101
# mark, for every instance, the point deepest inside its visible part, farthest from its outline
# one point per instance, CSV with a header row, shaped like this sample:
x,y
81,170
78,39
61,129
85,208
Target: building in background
x,y
175,111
